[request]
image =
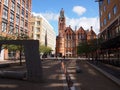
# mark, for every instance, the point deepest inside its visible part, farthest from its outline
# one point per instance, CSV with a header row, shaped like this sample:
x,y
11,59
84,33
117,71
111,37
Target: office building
x,y
42,30
14,19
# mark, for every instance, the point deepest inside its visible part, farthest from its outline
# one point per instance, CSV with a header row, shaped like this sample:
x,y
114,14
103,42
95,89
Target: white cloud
x,y
85,22
48,15
79,10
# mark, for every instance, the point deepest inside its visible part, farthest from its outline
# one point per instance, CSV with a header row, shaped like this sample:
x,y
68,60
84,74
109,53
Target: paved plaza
x,y
54,79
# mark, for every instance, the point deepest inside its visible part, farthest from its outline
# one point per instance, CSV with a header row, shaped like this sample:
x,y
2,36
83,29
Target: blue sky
x,y
77,12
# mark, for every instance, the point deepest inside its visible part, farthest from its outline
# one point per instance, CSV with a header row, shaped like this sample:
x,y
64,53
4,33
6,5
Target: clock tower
x,y
61,23
60,39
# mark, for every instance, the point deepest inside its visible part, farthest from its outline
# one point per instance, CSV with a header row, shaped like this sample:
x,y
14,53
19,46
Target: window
x,y
100,13
32,28
38,22
109,16
108,1
11,17
18,9
17,20
21,32
101,3
18,1
38,36
26,14
23,3
104,21
38,29
22,22
27,4
12,6
26,31
101,24
6,2
11,54
23,12
80,36
11,30
17,30
104,8
115,10
5,14
83,36
26,23
4,27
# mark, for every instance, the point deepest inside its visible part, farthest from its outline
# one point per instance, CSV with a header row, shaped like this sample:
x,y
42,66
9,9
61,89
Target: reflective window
x,y
22,22
26,14
23,12
12,6
109,16
11,17
104,8
104,21
6,2
17,20
18,1
115,10
11,30
5,13
23,3
108,1
4,27
18,9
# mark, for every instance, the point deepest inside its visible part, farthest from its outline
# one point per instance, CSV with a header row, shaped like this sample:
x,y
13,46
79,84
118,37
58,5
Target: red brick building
x,y
68,39
14,20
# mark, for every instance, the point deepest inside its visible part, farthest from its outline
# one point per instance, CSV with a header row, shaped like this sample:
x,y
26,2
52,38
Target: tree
x,y
83,48
15,47
44,50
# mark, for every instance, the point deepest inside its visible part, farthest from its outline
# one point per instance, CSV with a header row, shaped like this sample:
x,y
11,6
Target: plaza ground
x,y
54,79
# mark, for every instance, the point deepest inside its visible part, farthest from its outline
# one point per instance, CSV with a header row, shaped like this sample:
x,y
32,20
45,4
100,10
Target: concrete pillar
x,y
33,62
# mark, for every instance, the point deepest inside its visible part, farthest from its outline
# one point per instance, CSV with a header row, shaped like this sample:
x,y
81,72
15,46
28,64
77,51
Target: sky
x,y
77,12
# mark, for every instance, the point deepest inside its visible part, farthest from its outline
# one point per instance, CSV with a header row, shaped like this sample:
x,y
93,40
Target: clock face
x,y
61,21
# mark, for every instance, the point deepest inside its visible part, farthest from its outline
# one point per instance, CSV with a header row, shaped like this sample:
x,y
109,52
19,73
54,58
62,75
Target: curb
x,y
111,77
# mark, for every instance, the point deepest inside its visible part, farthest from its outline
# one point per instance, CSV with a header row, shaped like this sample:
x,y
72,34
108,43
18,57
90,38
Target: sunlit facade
x,y
68,39
14,18
41,30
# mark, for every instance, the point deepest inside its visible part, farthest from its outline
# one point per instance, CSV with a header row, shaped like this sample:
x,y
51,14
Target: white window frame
x,y
5,13
11,29
18,1
17,20
12,6
6,3
11,17
22,22
23,3
18,9
23,12
115,10
4,27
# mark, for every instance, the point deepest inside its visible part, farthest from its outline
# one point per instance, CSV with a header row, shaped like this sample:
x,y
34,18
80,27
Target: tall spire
x,y
62,13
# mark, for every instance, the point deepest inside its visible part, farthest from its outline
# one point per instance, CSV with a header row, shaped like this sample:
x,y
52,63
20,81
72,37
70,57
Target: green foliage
x,y
43,49
83,48
89,46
